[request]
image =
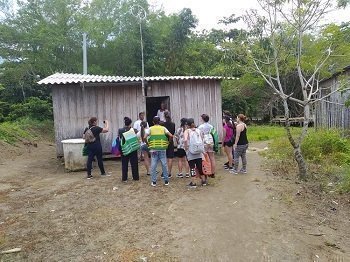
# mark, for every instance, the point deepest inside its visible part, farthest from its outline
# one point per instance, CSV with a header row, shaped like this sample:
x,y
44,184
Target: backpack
x,y
196,145
116,147
89,136
215,136
208,139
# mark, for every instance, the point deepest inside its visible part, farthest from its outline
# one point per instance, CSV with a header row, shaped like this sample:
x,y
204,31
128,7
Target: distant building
x,y
76,98
331,112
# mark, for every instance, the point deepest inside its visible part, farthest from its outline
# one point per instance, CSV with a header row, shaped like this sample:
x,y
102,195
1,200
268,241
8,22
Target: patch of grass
x,y
26,129
344,183
326,152
269,132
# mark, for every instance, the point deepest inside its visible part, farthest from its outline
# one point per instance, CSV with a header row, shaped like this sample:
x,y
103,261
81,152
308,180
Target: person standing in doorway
x,y
131,157
161,112
95,147
241,144
168,124
158,143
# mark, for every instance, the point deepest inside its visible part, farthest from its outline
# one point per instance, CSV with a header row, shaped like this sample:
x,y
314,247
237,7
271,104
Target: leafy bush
x,y
322,144
26,129
327,153
34,108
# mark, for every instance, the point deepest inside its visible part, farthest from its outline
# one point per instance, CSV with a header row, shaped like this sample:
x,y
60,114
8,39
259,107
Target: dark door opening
x,y
153,105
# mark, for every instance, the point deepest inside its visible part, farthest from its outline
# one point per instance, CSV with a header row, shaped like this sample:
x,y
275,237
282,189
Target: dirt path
x,y
56,216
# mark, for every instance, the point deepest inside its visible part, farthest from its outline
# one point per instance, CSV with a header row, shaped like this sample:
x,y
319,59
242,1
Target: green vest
x,y
157,139
129,142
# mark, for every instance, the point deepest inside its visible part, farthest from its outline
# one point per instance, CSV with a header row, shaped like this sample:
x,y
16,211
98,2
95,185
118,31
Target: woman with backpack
x,y
181,153
92,139
194,146
228,139
143,145
206,128
128,156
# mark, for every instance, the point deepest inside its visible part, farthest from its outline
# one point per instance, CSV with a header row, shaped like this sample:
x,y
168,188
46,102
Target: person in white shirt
x,y
137,124
208,143
161,112
143,145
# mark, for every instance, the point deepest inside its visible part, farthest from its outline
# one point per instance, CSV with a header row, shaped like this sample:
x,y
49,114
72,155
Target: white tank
x,y
73,154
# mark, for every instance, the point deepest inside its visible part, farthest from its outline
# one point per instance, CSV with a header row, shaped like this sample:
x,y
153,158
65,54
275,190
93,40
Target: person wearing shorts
x,y
181,153
144,130
168,124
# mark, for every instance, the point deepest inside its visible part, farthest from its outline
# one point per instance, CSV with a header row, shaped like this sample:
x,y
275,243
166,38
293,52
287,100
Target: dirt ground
x,y
53,215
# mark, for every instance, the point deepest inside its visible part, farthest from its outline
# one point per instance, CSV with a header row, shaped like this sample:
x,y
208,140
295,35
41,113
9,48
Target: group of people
x,y
157,144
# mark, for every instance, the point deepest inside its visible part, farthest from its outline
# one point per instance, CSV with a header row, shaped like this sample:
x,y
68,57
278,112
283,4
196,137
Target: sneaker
x,y
226,164
162,175
105,174
166,183
233,171
187,175
192,185
169,175
89,177
125,181
226,167
243,171
204,183
148,174
180,175
153,183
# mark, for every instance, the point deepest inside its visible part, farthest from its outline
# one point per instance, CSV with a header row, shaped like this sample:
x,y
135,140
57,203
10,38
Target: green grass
x,y
26,130
269,132
326,152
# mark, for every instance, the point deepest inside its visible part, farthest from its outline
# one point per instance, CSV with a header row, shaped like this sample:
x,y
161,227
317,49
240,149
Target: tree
x,y
279,43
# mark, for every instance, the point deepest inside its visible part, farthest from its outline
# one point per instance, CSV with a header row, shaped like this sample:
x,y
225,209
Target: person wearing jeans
x,y
158,143
156,156
241,145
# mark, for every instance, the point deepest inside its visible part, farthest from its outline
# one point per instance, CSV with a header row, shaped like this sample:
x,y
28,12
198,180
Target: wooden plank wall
x,y
331,112
73,105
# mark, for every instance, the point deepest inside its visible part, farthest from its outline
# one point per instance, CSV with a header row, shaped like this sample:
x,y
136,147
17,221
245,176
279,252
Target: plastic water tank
x,y
73,156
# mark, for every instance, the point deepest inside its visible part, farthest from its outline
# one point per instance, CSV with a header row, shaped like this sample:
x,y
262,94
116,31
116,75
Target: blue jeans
x,y
156,156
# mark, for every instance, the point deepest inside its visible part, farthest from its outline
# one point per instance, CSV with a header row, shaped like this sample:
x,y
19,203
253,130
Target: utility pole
x,y
84,55
140,13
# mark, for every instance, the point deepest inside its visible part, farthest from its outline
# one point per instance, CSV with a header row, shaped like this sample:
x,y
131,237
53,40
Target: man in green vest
x,y
158,143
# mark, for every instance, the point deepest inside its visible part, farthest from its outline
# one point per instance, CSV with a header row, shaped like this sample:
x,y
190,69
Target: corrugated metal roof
x,y
62,78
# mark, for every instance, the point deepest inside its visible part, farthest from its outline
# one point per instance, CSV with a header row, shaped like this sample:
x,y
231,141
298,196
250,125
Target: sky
x,y
210,12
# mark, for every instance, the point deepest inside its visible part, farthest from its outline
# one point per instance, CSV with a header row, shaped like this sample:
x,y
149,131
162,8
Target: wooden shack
x,y
77,97
331,111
